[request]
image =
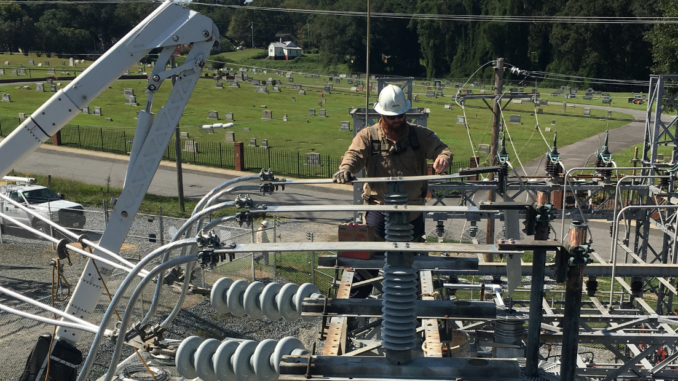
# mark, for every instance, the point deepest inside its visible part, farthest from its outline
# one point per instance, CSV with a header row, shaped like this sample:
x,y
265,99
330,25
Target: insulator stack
x,y
257,300
214,360
553,170
509,332
606,173
399,318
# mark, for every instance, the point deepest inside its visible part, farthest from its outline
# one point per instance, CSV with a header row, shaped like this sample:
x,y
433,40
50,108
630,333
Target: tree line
x,y
411,47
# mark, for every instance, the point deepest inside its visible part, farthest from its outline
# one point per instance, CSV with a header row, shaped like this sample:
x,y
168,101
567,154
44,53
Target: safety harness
x,y
400,147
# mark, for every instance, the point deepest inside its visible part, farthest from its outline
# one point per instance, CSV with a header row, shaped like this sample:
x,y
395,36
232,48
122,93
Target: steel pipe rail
x,y
616,237
368,208
567,175
373,179
368,246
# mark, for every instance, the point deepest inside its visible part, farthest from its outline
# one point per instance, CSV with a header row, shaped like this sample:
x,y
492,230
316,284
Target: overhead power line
x,y
465,18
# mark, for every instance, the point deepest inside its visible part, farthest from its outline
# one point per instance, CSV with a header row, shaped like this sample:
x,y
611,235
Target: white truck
x,y
43,201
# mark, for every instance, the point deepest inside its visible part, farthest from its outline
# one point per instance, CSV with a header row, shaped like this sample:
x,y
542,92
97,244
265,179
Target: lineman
x,y
394,147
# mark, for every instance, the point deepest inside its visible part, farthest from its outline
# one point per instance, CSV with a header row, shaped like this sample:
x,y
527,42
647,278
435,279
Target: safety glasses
x,y
394,117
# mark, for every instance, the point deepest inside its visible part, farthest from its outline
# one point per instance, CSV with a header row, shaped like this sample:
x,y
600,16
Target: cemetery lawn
x,y
306,133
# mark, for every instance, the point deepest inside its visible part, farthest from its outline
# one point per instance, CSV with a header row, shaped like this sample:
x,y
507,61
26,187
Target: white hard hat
x,y
392,101
264,224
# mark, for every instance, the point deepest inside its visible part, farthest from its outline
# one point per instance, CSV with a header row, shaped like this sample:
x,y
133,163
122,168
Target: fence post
x,y
269,157
160,227
239,152
298,170
195,148
124,139
221,165
79,140
101,130
105,205
275,237
56,138
254,275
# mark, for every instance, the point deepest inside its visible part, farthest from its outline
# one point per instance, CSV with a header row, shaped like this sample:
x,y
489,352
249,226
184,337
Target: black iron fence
x,y
211,154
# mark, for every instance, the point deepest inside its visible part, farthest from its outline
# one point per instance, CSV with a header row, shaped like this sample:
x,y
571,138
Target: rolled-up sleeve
x,y
436,148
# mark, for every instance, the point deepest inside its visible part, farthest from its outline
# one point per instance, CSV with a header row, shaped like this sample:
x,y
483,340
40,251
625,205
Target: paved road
x,y
577,154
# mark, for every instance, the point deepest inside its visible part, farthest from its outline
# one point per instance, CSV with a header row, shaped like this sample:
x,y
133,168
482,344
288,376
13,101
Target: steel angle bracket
x,y
421,368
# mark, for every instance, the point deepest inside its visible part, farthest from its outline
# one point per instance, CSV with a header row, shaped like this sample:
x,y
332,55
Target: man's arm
x,y
356,156
438,151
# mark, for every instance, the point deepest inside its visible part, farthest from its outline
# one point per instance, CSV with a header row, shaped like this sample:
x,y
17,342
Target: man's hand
x,y
441,164
342,176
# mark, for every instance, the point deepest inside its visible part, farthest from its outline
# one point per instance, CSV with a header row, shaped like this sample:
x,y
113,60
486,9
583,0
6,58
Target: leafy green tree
x,y
664,40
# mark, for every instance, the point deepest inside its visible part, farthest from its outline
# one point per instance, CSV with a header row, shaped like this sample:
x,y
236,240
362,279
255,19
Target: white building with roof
x,y
283,50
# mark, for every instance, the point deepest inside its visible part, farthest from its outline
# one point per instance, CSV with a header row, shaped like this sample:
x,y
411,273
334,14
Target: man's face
x,y
395,123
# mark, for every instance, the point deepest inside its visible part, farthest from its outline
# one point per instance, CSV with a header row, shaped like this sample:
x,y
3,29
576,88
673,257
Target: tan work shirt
x,y
386,164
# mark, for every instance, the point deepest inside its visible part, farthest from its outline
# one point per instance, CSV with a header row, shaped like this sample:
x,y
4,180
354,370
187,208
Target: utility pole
x,y
367,69
496,123
177,149
252,35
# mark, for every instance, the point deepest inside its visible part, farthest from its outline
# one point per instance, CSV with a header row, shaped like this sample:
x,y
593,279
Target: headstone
x,y
276,89
262,90
213,115
553,122
440,93
234,84
31,62
290,79
255,82
609,114
85,110
587,97
46,63
128,92
294,99
97,111
6,63
220,85
313,159
483,148
40,65
230,137
191,146
140,70
345,126
15,72
337,80
324,100
184,135
22,71
349,81
302,92
131,100
607,100
430,94
109,119
587,112
70,62
267,114
22,116
40,87
52,88
540,110
311,112
49,81
514,119
2,71
264,143
448,106
460,119
253,142
63,63
6,98
327,90
229,117
323,113
354,89
543,102
547,129
285,118
51,71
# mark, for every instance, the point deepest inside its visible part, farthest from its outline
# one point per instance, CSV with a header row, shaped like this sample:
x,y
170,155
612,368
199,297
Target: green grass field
x,y
305,133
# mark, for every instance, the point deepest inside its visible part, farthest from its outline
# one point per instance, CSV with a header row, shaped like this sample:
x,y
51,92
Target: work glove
x,y
342,176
